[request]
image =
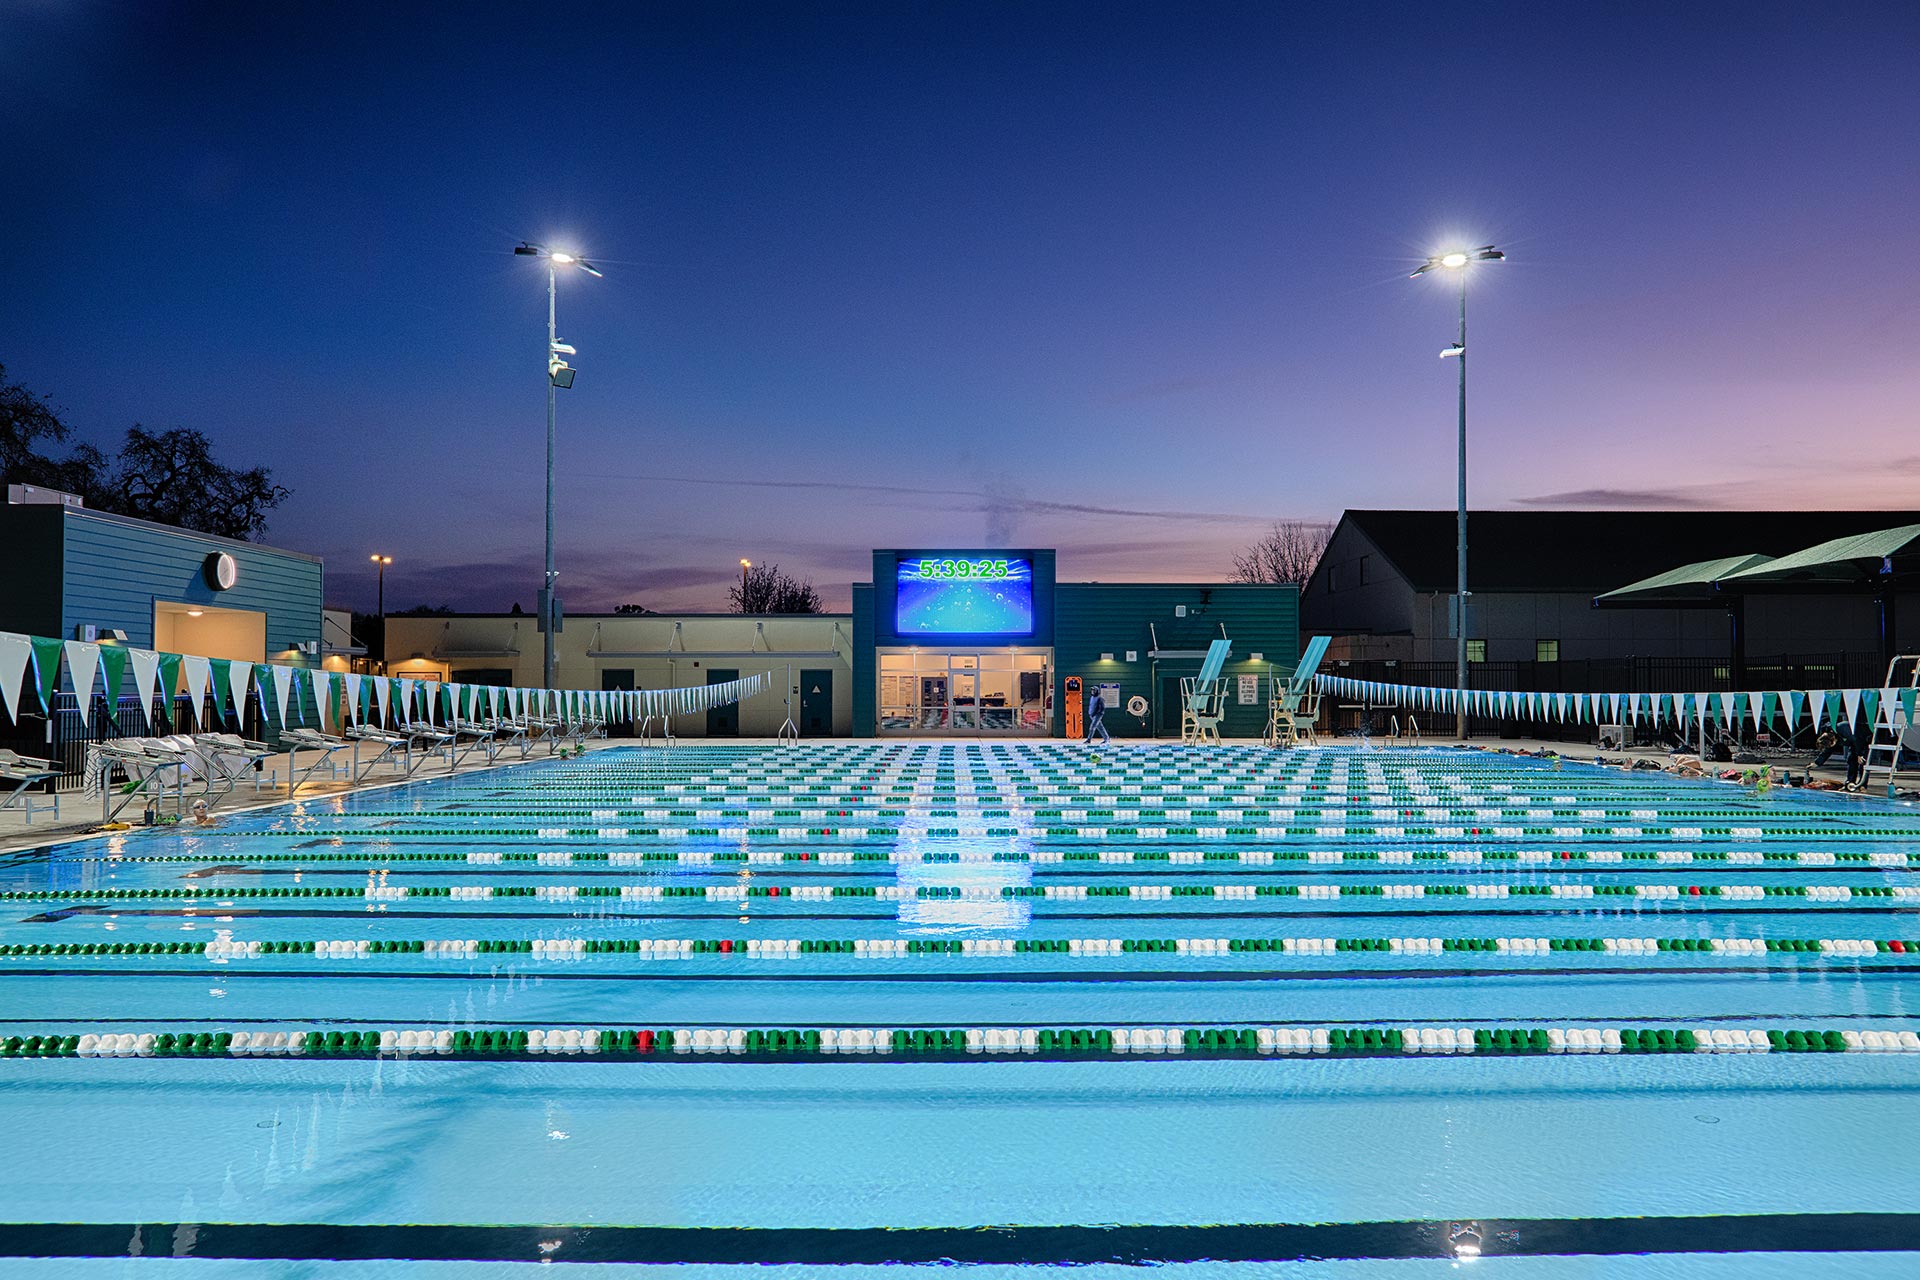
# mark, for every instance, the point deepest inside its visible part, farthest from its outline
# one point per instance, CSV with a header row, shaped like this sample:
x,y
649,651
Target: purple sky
x,y
1124,280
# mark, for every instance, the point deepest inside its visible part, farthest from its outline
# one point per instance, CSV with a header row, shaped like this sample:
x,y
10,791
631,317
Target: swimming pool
x,y
993,1003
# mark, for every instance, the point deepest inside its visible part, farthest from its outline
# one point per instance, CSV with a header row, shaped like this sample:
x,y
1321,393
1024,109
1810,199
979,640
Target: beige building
x,y
652,651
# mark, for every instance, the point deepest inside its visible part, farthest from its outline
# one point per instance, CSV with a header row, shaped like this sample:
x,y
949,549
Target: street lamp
x,y
559,376
1459,260
381,562
745,564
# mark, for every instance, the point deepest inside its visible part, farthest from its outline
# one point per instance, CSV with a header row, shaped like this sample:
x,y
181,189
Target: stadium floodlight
x,y
559,378
1458,260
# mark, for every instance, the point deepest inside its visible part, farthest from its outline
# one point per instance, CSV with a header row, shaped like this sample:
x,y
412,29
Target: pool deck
x,y
80,814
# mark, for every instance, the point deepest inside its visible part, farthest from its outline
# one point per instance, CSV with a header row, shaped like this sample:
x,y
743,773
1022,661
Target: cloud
x,y
1648,499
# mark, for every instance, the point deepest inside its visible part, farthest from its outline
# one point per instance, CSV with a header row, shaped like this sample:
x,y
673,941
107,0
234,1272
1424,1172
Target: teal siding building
x,y
79,574
972,642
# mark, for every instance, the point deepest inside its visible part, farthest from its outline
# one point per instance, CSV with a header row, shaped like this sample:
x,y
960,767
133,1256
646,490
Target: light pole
x,y
559,375
1459,260
745,564
381,562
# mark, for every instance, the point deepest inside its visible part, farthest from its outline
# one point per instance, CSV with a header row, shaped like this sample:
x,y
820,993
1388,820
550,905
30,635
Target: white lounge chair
x,y
22,773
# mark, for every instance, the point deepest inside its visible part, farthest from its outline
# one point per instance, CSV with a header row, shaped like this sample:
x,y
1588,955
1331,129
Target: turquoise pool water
x,y
1334,1013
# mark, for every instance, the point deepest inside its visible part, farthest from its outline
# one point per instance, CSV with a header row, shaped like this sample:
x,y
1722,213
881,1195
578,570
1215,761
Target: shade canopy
x,y
1689,586
1865,561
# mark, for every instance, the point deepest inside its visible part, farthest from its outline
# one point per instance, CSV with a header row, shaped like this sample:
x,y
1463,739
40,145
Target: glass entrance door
x,y
963,684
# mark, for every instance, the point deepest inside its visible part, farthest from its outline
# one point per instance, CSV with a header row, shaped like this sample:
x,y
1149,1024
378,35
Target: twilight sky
x,y
1127,280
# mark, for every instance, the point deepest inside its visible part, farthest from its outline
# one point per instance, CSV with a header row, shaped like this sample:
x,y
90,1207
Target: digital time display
x,y
964,595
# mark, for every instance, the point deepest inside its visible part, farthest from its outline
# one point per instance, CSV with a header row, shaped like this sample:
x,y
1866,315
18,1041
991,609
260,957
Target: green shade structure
x,y
1695,586
1689,586
1866,560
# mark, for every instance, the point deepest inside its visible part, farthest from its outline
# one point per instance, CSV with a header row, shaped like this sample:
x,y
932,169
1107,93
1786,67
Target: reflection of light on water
x,y
993,913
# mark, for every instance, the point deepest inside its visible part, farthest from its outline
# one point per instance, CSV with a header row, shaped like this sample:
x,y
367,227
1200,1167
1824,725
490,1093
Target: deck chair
x,y
1293,705
22,773
1203,698
297,740
395,748
151,767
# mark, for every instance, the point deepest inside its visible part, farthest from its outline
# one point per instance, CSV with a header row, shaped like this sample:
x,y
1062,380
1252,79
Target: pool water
x,y
1340,1012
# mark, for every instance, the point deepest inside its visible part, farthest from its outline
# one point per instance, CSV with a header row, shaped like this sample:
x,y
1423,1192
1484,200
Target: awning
x,y
1689,586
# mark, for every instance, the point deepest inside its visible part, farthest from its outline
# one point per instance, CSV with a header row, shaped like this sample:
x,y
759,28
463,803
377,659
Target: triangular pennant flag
x,y
113,674
199,677
170,666
1870,703
353,683
383,694
325,697
1764,709
1791,703
283,681
46,669
83,665
241,674
1907,697
146,678
1850,702
15,652
406,699
222,684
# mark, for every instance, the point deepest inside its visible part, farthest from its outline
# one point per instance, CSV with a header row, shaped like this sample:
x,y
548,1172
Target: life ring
x,y
1136,705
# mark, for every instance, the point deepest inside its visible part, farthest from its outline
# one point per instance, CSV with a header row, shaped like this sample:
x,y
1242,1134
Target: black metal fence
x,y
63,736
1590,675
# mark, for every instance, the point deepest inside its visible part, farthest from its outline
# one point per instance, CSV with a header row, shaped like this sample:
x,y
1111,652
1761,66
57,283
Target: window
x,y
1333,578
1546,651
1476,651
1363,570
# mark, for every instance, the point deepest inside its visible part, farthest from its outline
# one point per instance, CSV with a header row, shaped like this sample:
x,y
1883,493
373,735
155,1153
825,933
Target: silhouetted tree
x,y
1287,552
767,590
167,476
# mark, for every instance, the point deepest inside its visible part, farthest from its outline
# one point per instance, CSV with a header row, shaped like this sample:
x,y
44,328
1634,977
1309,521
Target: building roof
x,y
1588,552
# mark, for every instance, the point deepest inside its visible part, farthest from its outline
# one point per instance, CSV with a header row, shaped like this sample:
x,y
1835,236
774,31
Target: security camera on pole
x,y
559,375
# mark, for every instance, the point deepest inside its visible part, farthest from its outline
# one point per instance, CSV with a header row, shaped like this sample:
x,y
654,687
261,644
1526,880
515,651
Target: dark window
x,y
1363,570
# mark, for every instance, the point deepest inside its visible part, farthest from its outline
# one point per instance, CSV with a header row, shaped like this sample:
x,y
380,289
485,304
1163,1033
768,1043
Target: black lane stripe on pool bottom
x,y
979,1246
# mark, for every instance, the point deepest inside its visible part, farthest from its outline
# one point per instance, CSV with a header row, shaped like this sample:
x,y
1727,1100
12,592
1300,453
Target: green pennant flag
x,y
1906,702
1870,700
222,684
1769,707
46,668
169,682
113,669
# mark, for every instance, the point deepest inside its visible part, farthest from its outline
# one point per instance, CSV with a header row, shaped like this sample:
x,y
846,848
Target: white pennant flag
x,y
432,689
382,694
199,678
83,667
146,678
1850,699
15,652
1787,711
282,687
353,697
242,673
406,699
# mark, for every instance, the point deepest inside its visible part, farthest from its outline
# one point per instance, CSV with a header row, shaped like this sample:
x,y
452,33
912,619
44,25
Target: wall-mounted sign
x,y
1249,690
222,571
964,595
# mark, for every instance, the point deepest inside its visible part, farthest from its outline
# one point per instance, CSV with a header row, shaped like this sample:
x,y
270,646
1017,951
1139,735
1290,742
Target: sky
x,y
1125,280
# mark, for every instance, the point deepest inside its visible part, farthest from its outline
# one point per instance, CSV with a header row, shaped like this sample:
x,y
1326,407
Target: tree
x,y
423,611
1287,552
166,476
27,422
171,477
631,608
767,590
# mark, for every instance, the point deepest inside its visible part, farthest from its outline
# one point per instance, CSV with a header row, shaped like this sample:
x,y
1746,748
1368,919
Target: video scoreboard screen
x,y
939,594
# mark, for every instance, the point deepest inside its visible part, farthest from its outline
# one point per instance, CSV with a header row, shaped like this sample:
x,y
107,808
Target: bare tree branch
x,y
1286,553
